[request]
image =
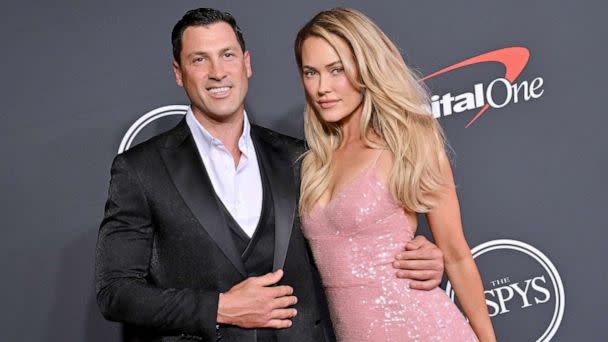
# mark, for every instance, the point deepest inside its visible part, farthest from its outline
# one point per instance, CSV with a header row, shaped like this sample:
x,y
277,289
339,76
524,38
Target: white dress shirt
x,y
240,187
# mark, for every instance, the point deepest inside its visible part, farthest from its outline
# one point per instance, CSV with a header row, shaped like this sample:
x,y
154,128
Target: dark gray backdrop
x,y
77,74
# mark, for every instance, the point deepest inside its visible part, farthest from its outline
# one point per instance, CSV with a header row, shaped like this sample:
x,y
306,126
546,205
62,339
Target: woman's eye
x,y
336,71
309,73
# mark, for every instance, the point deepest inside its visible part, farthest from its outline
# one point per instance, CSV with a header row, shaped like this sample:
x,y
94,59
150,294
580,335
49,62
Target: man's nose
x,y
217,71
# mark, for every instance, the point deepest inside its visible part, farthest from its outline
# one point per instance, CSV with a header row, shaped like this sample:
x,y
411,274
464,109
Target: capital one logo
x,y
524,292
496,94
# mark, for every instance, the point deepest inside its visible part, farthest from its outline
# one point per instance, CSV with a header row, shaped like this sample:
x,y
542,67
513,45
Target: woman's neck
x,y
350,127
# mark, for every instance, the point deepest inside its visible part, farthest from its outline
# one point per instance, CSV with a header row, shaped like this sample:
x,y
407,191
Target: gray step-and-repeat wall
x,y
519,87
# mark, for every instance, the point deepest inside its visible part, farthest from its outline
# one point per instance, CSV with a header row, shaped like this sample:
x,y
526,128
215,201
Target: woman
x,y
377,157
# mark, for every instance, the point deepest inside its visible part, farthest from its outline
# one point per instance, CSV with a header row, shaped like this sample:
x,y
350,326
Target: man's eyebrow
x,y
228,49
205,53
198,53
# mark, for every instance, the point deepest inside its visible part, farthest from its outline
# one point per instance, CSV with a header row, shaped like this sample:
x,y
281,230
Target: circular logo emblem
x,y
522,288
146,119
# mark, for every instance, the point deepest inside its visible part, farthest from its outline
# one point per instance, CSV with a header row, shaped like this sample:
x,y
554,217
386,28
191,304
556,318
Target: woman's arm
x,y
446,227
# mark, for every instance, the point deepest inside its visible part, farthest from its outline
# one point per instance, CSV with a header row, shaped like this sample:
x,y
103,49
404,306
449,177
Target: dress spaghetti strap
x,y
372,165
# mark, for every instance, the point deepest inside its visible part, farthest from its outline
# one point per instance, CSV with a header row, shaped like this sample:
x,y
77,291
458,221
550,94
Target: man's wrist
x,y
221,319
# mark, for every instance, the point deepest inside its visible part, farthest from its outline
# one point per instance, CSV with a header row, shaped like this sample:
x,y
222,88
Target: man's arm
x,y
124,247
422,262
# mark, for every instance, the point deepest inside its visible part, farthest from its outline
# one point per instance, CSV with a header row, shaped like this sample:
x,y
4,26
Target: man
x,y
201,239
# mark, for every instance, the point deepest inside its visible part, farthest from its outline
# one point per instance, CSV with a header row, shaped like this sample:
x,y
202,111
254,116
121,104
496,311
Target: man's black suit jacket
x,y
164,252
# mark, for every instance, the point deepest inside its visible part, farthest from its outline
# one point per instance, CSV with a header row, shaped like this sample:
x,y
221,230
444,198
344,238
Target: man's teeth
x,y
218,90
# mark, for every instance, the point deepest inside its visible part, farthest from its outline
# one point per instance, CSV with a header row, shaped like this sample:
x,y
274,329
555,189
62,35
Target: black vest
x,y
257,252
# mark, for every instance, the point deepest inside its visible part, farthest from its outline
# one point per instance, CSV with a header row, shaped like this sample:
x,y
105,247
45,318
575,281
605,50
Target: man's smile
x,y
219,92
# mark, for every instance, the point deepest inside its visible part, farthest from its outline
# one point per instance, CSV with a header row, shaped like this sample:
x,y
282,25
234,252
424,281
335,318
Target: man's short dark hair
x,y
202,17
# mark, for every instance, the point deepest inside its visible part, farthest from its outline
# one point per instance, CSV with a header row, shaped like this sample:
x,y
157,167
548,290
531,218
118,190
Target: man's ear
x,y
177,70
247,58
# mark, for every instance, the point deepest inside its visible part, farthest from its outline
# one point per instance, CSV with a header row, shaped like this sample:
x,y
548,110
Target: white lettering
x,y
505,294
502,299
435,109
523,293
479,99
491,304
446,101
517,88
490,90
447,104
534,85
464,102
541,289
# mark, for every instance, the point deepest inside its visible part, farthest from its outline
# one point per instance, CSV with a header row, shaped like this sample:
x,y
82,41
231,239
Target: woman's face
x,y
328,89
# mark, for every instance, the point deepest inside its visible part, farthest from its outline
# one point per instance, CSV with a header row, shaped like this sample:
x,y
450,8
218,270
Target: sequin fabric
x,y
354,239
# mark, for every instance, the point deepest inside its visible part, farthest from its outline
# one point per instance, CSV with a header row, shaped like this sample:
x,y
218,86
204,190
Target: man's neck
x,y
228,130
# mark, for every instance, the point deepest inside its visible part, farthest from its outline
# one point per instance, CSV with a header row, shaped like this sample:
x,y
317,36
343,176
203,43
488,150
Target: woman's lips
x,y
326,104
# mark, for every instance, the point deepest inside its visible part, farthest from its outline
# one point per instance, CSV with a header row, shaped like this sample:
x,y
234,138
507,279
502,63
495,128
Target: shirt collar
x,y
206,141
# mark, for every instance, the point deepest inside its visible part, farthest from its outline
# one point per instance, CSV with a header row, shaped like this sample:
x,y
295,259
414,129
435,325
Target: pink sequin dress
x,y
354,239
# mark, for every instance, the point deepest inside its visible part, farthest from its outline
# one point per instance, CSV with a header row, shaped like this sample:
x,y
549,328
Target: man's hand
x,y
254,303
422,262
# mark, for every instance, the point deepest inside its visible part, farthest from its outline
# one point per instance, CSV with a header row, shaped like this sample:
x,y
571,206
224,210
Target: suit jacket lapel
x,y
192,181
279,171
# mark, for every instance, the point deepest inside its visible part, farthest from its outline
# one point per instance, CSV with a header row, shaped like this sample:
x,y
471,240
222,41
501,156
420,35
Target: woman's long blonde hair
x,y
395,109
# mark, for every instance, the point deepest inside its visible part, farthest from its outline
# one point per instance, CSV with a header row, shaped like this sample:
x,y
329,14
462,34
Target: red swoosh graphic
x,y
513,58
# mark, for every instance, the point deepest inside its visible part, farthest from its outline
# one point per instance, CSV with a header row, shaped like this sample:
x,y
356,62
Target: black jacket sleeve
x,y
124,248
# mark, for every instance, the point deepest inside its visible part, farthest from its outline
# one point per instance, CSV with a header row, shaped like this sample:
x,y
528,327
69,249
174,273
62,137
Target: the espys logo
x,y
483,96
145,120
523,290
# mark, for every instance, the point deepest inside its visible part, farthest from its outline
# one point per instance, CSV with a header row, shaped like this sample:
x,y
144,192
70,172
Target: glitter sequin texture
x,y
354,239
